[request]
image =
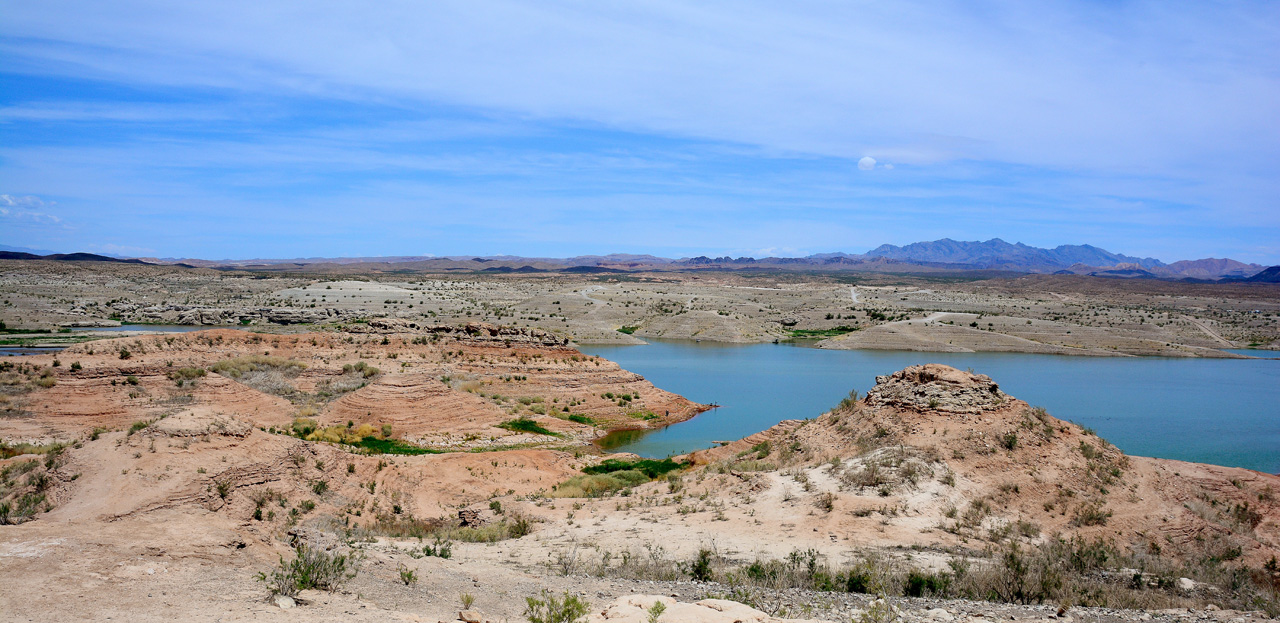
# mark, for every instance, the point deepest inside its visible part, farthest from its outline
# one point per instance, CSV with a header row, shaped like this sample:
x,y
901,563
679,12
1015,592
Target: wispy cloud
x,y
26,208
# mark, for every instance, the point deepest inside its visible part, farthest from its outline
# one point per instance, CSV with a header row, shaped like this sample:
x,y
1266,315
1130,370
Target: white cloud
x,y
866,163
1059,85
20,209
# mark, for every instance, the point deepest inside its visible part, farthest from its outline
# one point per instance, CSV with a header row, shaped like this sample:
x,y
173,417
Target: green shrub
x,y
700,568
923,584
525,425
547,608
182,375
360,368
408,576
442,548
304,426
311,568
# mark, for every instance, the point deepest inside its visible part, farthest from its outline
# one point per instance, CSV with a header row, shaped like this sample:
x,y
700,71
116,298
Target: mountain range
x,y
993,255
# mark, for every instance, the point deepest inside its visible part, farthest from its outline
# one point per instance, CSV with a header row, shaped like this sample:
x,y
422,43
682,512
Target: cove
x,y
1219,411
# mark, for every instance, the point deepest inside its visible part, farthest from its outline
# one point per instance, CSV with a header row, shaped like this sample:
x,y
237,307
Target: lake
x,y
20,351
161,328
1220,411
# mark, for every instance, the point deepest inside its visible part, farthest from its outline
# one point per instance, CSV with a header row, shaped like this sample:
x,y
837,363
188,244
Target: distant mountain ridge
x,y
66,257
997,253
990,257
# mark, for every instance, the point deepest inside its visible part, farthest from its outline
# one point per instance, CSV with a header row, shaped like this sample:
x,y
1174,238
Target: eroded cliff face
x,y
443,386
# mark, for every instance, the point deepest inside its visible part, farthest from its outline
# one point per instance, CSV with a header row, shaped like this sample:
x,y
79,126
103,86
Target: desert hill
x,y
961,464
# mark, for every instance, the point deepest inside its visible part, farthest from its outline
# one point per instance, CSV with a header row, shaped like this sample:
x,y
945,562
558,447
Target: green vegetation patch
x,y
581,419
598,485
648,467
628,330
525,425
613,475
391,446
810,333
8,451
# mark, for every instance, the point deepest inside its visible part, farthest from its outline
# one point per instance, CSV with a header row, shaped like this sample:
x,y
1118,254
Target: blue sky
x,y
284,129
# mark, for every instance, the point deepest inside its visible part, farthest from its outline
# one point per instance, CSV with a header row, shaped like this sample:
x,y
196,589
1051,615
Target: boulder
x,y
470,517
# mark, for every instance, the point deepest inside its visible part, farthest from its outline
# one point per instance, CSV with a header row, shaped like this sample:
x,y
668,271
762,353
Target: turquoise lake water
x,y
163,328
1220,411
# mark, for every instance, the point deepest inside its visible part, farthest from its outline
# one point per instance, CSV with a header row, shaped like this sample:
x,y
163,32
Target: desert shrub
x,y
1091,514
264,373
441,548
22,509
547,608
240,366
848,402
581,419
870,474
184,375
597,485
11,450
408,576
925,584
700,568
311,568
519,526
512,526
14,470
303,427
360,369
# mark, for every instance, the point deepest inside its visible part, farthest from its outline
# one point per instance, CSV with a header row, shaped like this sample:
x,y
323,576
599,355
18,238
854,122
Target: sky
x,y
238,129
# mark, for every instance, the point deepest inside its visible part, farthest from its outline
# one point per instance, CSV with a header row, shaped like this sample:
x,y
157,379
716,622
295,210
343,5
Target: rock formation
x,y
937,387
